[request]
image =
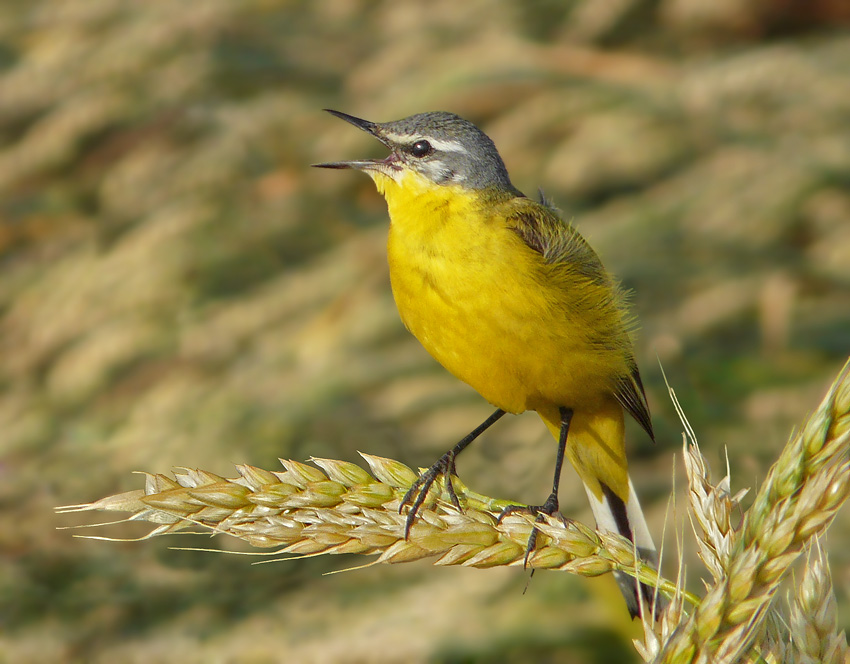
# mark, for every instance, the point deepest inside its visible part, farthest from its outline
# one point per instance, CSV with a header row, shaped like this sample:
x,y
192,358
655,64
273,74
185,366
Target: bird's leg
x,y
445,466
551,506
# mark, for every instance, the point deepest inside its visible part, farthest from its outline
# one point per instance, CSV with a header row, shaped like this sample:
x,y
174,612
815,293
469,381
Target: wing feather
x,y
559,243
631,396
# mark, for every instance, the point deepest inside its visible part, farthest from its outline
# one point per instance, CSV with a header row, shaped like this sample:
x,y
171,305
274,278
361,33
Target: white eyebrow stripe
x,y
446,146
437,143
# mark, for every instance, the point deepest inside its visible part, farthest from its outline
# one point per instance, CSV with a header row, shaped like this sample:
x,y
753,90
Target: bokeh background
x,y
180,288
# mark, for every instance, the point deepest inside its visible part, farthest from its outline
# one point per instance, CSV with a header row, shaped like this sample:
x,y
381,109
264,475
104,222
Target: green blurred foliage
x,y
179,288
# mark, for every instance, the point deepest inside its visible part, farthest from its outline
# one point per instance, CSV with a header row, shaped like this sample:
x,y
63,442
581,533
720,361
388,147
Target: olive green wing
x,y
541,228
631,396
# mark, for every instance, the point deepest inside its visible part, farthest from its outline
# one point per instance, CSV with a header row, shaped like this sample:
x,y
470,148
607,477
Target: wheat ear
x,y
341,508
796,503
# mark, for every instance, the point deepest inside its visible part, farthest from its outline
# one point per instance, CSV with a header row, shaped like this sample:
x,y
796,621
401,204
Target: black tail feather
x,y
635,593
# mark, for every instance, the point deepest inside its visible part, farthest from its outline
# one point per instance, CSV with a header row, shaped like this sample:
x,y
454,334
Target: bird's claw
x,y
418,491
548,508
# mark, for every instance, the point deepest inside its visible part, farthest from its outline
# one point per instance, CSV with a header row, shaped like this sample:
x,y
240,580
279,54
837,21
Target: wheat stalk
x,y
814,635
341,508
797,502
338,507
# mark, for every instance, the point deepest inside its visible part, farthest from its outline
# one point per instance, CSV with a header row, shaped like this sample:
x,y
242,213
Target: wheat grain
x,y
341,508
798,500
338,507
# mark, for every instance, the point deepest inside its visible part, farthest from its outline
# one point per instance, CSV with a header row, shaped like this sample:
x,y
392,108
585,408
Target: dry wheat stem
x,y
712,512
815,638
809,633
343,509
797,502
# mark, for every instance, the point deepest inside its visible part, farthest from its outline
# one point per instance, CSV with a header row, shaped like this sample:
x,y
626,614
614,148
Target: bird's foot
x,y
549,508
418,491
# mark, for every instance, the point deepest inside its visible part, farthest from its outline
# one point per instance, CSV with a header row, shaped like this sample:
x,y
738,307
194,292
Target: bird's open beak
x,y
370,128
365,125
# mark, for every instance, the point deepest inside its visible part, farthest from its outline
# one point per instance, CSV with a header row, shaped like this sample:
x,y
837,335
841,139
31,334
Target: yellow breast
x,y
483,303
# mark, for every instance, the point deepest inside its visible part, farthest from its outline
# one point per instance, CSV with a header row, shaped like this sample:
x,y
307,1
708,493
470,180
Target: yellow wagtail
x,y
513,301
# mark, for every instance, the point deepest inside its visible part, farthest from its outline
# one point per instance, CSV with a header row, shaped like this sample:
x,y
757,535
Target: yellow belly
x,y
480,301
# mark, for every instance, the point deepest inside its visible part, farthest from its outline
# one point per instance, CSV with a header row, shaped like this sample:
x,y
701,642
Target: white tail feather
x,y
607,522
638,532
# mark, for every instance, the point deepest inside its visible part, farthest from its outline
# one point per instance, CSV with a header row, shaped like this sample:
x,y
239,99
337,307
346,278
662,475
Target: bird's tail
x,y
614,515
596,449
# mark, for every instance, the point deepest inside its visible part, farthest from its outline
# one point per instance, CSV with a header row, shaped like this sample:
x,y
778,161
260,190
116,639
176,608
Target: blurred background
x,y
179,288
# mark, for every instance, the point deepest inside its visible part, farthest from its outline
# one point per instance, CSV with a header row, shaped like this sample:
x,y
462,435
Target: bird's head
x,y
440,147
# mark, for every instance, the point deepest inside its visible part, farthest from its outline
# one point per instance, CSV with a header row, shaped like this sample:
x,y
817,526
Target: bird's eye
x,y
421,148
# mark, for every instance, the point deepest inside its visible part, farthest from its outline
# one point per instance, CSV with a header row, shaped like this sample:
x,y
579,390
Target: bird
x,y
513,301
